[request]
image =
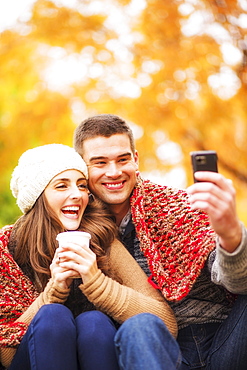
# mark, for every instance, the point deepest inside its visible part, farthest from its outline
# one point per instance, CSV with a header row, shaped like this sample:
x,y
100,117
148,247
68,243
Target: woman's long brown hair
x,y
34,237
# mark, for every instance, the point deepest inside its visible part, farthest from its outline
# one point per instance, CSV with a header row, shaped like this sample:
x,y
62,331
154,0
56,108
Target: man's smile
x,y
114,185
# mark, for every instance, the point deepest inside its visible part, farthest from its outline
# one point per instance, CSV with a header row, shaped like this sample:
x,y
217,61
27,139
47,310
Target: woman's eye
x,y
82,186
62,186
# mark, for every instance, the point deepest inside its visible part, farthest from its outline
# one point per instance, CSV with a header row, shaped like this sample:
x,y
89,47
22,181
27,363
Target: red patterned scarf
x,y
16,294
175,239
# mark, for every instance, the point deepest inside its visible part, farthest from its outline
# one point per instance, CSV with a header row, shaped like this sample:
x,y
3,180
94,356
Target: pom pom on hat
x,y
37,167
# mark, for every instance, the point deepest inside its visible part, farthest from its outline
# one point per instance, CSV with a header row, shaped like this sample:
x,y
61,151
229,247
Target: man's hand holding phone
x,y
215,195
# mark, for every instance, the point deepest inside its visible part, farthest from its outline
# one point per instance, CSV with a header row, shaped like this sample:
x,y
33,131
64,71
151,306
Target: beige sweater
x,y
127,295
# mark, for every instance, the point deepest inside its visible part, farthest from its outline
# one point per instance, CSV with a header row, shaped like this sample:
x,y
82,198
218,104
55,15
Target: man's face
x,y
112,168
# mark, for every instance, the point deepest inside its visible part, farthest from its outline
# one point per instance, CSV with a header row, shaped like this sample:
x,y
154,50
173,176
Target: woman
x,y
49,319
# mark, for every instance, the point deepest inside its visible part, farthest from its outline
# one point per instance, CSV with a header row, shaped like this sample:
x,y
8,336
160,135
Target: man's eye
x,y
123,160
100,163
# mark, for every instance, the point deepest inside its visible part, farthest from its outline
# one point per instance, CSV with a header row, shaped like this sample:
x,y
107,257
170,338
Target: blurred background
x,y
175,70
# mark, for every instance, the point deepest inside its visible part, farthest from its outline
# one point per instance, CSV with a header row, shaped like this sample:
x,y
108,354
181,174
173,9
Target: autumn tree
x,y
175,70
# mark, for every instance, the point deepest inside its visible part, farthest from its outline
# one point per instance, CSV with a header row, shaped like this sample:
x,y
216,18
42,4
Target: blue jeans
x,y
143,343
57,341
217,346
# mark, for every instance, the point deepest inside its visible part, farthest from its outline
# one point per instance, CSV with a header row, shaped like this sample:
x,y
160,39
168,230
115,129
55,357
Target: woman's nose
x,y
75,192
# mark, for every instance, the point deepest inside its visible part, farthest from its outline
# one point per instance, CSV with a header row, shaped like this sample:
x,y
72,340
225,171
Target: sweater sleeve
x,y
51,294
130,293
230,269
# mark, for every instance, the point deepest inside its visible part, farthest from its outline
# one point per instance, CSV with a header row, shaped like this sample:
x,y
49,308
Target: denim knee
x,y
96,350
54,320
50,341
94,325
141,325
144,342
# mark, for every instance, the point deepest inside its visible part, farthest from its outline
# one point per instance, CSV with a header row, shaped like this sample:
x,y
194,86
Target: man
x,y
190,244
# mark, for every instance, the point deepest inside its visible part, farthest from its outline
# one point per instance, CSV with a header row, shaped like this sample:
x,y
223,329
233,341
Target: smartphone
x,y
205,160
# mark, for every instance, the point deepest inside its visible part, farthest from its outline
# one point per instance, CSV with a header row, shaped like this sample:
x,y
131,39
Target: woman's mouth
x,y
71,210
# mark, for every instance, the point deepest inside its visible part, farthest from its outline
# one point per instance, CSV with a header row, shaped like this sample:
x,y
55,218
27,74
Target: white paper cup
x,y
79,237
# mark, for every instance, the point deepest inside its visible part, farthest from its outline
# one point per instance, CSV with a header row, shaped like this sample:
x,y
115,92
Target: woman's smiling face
x,y
67,195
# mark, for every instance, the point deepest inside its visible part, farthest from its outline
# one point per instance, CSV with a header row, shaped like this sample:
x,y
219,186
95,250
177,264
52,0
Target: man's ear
x,y
136,159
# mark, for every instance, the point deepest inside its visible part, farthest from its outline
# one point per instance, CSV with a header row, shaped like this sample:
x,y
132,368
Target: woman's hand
x,y
79,260
215,195
62,277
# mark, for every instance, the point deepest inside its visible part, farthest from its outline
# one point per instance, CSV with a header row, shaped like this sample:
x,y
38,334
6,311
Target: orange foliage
x,y
170,68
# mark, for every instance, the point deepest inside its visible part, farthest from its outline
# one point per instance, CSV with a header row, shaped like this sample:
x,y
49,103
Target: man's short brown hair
x,y
104,125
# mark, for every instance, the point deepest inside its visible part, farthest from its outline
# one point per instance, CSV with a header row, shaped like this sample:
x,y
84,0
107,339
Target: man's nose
x,y
113,170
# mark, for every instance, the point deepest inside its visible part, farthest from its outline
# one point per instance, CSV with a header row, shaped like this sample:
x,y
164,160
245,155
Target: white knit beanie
x,y
37,167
